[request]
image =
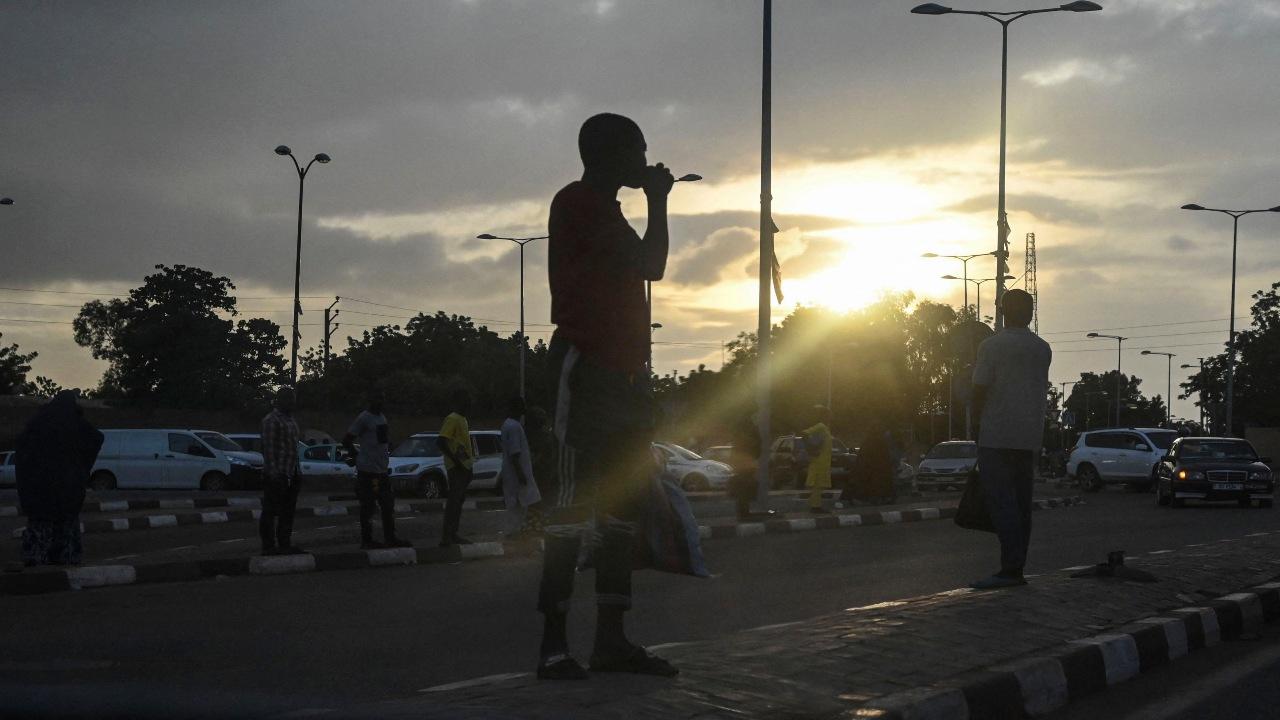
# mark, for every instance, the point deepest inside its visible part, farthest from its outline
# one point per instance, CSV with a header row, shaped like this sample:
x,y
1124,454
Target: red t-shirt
x,y
597,281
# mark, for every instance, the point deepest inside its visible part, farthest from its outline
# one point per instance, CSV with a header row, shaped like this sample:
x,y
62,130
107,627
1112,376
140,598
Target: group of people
x,y
596,481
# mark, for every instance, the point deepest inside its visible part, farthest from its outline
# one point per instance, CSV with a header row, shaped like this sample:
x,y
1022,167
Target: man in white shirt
x,y
519,489
1010,388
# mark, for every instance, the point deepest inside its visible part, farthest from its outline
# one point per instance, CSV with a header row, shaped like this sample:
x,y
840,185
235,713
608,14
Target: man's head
x,y
1017,308
613,147
461,400
286,399
515,407
375,400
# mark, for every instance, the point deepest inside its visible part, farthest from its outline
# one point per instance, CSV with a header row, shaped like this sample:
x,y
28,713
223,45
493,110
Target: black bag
x,y
972,513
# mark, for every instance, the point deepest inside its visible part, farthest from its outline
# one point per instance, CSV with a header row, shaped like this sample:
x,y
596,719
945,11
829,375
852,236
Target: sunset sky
x,y
138,133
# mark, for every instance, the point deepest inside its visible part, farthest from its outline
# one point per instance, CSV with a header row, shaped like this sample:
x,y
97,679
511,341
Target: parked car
x,y
1125,455
947,465
8,472
719,453
328,460
691,470
1214,468
242,477
785,470
180,459
417,466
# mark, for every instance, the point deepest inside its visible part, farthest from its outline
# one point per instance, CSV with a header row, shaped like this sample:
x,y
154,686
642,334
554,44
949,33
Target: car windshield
x,y
1217,450
218,441
684,453
953,451
417,447
1163,440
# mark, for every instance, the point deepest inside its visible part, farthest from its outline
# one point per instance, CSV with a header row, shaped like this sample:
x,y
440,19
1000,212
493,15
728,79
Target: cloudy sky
x,y
138,133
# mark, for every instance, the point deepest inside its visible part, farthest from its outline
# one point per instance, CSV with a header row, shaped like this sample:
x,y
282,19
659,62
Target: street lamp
x,y
1186,366
1168,400
1004,18
965,260
297,263
521,242
978,309
649,364
1119,347
1231,333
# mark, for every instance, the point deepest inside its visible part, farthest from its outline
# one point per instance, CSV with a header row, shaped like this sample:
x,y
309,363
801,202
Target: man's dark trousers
x,y
381,497
279,501
1007,477
459,480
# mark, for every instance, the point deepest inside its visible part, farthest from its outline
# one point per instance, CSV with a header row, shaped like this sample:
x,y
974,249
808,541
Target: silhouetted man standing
x,y
459,456
603,410
281,479
1010,386
373,480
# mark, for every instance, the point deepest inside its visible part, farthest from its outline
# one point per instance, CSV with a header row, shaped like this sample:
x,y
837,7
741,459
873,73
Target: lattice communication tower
x,y
1029,280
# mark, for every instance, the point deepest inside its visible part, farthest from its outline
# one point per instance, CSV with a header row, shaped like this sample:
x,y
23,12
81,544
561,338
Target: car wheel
x,y
213,482
430,487
1090,480
102,480
1161,498
693,482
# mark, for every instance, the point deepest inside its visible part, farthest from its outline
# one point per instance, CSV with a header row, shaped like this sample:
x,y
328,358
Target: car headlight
x,y
1260,475
405,469
1190,475
239,461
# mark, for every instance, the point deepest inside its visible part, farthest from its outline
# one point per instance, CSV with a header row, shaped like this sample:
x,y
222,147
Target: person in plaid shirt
x,y
280,476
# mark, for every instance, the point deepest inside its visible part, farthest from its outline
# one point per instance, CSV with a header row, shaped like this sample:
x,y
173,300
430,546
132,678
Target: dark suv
x,y
785,470
1213,468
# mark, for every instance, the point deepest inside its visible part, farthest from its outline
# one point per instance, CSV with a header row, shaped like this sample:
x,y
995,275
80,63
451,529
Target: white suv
x,y
417,465
1124,455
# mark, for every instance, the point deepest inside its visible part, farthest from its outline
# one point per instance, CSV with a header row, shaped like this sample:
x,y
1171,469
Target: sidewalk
x,y
953,655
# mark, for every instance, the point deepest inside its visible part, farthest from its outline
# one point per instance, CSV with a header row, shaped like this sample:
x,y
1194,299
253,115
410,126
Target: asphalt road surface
x,y
339,638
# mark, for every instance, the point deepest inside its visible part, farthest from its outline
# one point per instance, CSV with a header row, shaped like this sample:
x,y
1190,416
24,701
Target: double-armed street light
x,y
321,158
1231,333
520,242
1119,352
978,283
1168,399
964,259
1004,18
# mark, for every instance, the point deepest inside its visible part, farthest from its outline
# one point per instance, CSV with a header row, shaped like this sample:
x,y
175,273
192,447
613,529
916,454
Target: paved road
x,y
329,639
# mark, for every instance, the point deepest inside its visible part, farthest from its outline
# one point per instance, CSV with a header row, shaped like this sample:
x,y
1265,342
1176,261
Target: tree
x,y
1092,402
45,387
14,366
1256,393
167,343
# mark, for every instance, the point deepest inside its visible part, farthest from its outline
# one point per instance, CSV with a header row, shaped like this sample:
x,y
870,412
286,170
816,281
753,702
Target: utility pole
x,y
765,324
329,315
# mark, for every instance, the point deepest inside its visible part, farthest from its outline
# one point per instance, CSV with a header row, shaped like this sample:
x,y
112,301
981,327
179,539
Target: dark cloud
x,y
1042,207
706,264
1178,243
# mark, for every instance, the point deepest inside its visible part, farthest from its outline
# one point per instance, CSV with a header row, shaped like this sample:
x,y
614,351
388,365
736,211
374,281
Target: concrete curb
x,y
33,582
245,513
1036,686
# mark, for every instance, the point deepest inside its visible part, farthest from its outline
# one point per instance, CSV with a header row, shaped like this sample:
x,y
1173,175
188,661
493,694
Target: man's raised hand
x,y
658,181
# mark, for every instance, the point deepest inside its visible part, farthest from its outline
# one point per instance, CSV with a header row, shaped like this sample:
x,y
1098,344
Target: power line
x,y
126,292
1149,347
1139,337
1139,327
426,312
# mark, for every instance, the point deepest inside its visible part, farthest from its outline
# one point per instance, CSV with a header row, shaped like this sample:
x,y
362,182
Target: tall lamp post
x,y
1231,333
521,242
297,263
1119,351
1168,398
978,283
964,259
1004,18
1186,366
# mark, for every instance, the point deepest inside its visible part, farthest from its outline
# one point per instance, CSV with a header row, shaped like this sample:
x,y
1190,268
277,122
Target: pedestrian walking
x,y
817,441
55,453
281,476
873,473
1009,382
373,478
454,442
604,413
744,458
519,486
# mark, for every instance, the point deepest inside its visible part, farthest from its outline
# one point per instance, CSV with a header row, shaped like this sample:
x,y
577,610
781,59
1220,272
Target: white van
x,y
180,459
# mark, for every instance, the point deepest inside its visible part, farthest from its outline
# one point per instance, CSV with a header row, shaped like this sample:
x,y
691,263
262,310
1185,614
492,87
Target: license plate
x,y
1228,486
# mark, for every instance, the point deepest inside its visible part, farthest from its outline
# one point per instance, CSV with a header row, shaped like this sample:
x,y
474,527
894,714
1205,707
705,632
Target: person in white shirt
x,y
519,488
1010,391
